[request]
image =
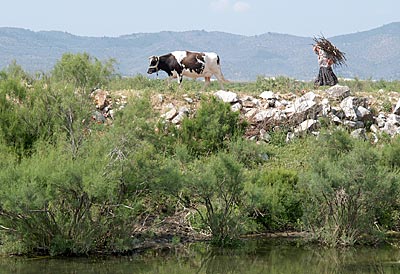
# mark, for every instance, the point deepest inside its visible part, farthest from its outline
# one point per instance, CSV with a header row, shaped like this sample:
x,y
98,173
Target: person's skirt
x,y
326,77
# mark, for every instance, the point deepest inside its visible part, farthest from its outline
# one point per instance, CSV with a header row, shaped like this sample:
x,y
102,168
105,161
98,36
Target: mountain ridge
x,y
371,54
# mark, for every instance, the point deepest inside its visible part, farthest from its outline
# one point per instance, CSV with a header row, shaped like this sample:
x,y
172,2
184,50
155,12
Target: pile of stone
x,y
106,105
303,114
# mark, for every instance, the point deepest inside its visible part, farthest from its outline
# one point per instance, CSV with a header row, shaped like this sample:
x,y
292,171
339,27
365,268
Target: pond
x,y
253,256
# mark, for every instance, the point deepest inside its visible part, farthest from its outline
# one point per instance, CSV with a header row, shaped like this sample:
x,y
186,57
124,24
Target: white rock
x,y
170,114
226,96
236,107
307,125
267,95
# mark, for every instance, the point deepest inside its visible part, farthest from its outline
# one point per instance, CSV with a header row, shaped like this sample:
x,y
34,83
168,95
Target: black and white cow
x,y
190,64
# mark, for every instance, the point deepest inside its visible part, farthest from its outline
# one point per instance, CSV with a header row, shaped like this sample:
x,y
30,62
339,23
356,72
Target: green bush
x,y
216,184
15,71
25,114
212,129
348,193
83,191
44,110
391,154
83,71
46,203
58,204
274,199
249,153
68,114
15,131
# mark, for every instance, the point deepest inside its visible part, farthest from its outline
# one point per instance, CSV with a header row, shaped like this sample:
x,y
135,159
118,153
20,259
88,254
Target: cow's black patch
x,y
168,63
194,61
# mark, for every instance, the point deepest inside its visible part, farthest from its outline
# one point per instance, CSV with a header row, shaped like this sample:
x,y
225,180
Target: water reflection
x,y
254,256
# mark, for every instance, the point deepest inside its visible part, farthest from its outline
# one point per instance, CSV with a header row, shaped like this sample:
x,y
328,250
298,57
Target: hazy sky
x,y
248,17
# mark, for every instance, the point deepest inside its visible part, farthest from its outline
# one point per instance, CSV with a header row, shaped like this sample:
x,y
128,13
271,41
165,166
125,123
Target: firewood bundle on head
x,y
331,50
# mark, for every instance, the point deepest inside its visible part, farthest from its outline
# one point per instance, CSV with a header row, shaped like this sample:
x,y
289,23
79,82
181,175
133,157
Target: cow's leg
x,y
220,83
180,79
169,81
206,82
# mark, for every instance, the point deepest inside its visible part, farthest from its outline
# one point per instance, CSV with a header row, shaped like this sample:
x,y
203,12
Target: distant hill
x,y
371,54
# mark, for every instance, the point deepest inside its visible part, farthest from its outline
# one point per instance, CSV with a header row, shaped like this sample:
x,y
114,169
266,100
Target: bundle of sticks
x,y
338,57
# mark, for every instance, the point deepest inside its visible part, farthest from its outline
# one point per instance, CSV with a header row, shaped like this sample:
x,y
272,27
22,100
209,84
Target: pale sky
x,y
247,17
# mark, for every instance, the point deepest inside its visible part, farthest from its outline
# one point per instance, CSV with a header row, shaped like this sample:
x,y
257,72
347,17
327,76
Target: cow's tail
x,y
224,80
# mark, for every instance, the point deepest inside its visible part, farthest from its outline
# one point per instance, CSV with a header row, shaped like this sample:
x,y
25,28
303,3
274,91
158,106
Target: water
x,y
254,256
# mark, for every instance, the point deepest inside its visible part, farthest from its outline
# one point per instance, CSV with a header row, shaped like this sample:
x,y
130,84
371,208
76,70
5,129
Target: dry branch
x,y
338,57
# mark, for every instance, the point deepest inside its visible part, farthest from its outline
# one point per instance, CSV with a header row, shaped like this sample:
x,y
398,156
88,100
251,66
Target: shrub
x,y
274,199
83,71
83,191
43,110
348,195
15,131
15,71
249,153
391,154
46,203
25,115
212,129
216,184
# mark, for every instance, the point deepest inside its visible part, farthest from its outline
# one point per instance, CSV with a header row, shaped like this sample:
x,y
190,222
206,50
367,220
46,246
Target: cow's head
x,y
153,67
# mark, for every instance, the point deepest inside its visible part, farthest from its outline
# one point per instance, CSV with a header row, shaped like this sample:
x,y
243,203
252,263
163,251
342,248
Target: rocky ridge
x,y
364,115
299,114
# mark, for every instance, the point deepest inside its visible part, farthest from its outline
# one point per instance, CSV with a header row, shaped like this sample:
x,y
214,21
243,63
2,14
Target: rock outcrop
x,y
301,114
298,114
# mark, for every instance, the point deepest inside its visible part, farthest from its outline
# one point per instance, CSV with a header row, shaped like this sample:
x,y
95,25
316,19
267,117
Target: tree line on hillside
x,y
69,185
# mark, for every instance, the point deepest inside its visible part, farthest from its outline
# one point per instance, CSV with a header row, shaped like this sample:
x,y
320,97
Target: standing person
x,y
326,76
328,55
